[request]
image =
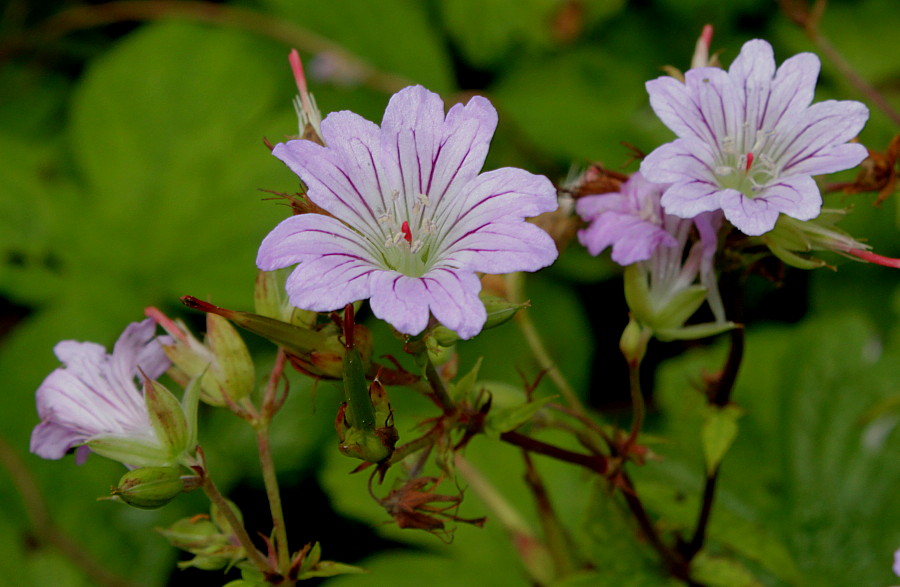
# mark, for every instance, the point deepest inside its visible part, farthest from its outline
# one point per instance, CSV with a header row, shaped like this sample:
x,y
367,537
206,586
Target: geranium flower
x,y
411,219
93,400
630,221
749,140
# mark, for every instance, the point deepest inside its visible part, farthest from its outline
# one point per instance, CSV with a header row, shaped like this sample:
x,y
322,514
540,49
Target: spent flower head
x,y
749,141
411,218
92,401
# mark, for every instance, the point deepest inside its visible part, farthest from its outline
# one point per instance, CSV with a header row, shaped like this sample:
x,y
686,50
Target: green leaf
x,y
805,468
719,430
717,571
492,32
462,389
504,419
169,203
559,103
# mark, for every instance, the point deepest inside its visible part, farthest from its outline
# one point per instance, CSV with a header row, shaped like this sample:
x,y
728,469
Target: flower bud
x,y
499,311
222,363
206,537
633,342
149,488
364,423
167,417
271,299
318,353
791,239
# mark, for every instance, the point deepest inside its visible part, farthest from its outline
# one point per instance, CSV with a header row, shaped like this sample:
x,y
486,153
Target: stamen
x,y
407,233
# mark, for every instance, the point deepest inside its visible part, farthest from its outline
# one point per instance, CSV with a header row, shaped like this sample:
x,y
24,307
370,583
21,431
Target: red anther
x,y
749,161
407,233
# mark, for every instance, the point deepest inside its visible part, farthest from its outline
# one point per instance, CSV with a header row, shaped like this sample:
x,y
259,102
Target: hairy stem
x,y
216,497
267,463
515,282
555,535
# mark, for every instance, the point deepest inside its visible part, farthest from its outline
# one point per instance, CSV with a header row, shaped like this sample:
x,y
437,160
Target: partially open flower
x,y
92,401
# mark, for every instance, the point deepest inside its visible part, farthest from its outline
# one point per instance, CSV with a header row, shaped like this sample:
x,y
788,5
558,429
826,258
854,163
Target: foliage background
x,y
130,157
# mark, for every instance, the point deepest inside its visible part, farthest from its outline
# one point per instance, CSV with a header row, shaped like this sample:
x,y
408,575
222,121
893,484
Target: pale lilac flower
x,y
897,562
630,221
749,140
94,396
413,221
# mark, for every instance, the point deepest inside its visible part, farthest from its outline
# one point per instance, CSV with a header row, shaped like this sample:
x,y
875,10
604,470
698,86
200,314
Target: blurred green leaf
x,y
719,430
564,105
491,32
803,466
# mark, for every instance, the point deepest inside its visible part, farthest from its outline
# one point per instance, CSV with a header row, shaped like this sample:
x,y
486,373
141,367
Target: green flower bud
x,y
499,311
149,488
168,418
365,423
223,364
317,352
271,299
633,342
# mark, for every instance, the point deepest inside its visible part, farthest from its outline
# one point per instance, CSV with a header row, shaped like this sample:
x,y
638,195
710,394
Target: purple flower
x,y
630,221
412,219
749,140
93,395
897,562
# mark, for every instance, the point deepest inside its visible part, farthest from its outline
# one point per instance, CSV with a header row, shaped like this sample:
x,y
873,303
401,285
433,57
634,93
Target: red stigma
x,y
749,161
407,233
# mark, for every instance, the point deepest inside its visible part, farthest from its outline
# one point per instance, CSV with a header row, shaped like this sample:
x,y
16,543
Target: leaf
x,y
169,201
559,102
717,571
491,33
504,419
719,430
804,468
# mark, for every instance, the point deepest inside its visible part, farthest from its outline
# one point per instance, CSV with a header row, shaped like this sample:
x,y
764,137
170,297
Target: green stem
x,y
515,282
558,543
438,386
637,400
720,397
534,555
267,463
216,497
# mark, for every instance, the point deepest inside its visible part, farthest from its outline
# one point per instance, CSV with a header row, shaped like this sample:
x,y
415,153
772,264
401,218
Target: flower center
x,y
745,167
408,236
